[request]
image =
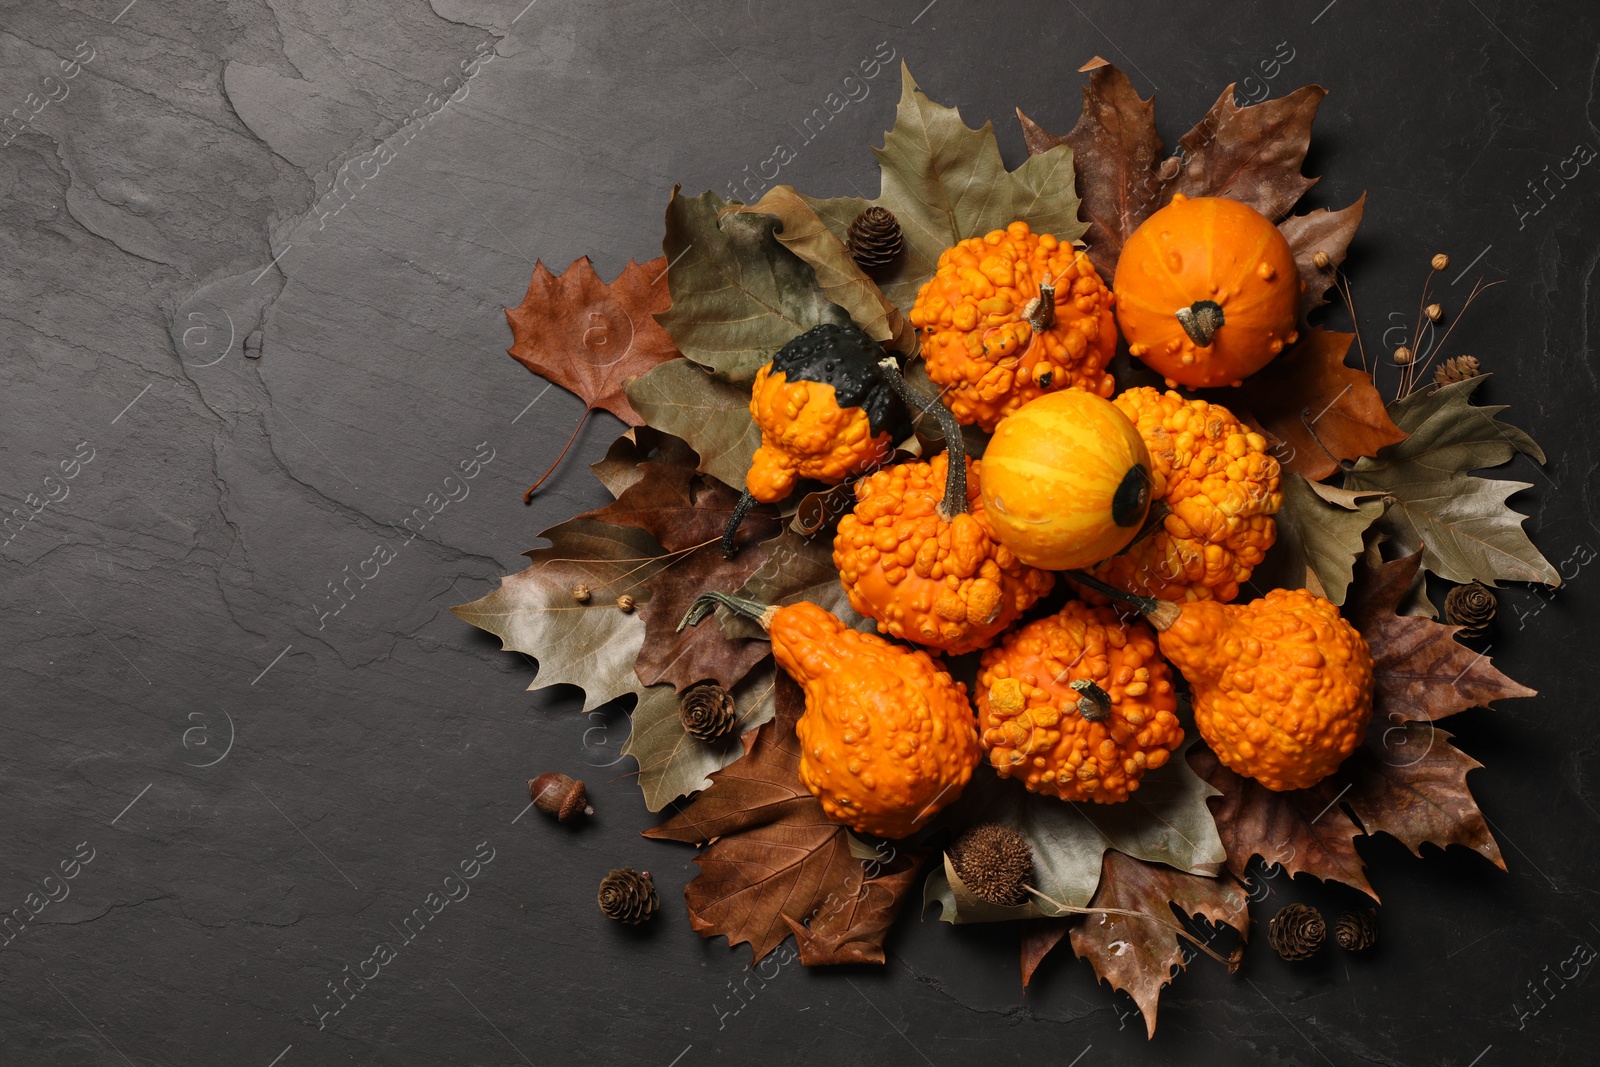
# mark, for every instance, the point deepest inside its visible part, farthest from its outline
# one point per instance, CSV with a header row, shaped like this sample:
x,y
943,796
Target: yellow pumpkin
x,y
1066,480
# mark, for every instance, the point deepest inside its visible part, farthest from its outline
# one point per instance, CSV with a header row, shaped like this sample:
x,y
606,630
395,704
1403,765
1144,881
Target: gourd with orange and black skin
x,y
887,738
1078,705
941,582
982,344
1207,291
1281,686
1221,488
823,410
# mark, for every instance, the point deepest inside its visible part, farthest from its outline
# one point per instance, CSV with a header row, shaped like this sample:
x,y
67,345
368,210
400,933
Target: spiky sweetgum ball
x,y
977,338
1222,488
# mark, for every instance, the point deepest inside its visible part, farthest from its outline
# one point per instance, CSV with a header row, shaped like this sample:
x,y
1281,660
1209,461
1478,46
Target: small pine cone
x,y
628,896
995,862
875,238
708,713
1355,931
1457,369
1470,607
1296,932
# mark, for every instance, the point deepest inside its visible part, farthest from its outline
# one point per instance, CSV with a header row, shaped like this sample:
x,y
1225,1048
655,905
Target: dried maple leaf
x,y
1304,830
589,644
773,858
1138,955
1321,410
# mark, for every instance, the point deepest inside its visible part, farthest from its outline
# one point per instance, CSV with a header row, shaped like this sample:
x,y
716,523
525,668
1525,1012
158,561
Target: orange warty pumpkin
x,y
1011,316
1207,291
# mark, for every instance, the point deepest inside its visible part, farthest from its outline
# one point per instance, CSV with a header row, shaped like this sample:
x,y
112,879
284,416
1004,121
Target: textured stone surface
x,y
256,429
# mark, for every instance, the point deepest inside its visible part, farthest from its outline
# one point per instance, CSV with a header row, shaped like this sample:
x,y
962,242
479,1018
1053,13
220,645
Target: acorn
x,y
556,794
1296,932
995,862
628,896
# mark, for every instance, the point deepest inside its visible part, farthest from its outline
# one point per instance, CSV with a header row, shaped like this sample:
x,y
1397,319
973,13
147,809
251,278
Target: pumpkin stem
x,y
1200,321
1161,613
706,603
1094,703
1230,961
1041,310
730,546
955,479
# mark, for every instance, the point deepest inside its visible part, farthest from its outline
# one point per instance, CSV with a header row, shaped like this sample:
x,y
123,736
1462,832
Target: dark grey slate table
x,y
253,381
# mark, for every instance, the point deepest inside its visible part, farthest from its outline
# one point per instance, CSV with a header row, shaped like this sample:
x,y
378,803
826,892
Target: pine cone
x,y
1355,931
628,896
875,238
708,713
1458,369
1470,607
995,862
1296,932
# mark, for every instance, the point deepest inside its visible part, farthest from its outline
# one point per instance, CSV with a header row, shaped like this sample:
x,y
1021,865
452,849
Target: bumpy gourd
x,y
917,553
824,412
1282,686
1066,480
1078,705
887,738
1010,316
1221,489
1207,291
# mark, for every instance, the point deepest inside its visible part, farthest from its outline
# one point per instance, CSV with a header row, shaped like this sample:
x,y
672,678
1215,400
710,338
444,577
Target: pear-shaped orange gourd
x,y
888,737
1066,480
1207,291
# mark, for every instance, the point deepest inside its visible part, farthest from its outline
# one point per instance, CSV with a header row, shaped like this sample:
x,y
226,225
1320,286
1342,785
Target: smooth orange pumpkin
x,y
1066,480
1207,291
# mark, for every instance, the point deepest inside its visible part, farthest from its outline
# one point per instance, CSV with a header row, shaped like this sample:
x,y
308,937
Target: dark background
x,y
163,608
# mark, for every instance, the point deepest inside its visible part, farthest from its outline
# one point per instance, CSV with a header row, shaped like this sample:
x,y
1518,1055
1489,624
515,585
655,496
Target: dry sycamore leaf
x,y
713,417
774,858
1325,231
1461,522
590,337
1321,410
590,645
1138,955
738,295
673,764
851,926
842,280
619,467
796,568
1251,154
1039,936
1321,530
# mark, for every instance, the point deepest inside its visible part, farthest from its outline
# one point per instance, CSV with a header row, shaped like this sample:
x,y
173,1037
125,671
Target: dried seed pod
x,y
1435,312
580,593
1296,932
1322,260
995,862
1355,931
628,896
1403,356
557,794
874,238
625,602
1441,261
1458,369
1471,607
708,713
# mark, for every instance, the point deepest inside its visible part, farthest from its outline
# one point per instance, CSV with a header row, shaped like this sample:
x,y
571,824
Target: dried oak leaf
x,y
1321,410
671,762
773,856
592,338
591,645
1251,154
1461,522
1138,955
685,512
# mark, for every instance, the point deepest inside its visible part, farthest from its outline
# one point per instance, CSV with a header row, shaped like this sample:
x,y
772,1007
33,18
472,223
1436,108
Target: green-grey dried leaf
x,y
590,645
713,416
796,569
672,763
738,295
1320,528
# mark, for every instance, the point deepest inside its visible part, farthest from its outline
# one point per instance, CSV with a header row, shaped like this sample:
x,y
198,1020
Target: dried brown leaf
x,y
850,926
1251,154
1039,936
590,337
1326,231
